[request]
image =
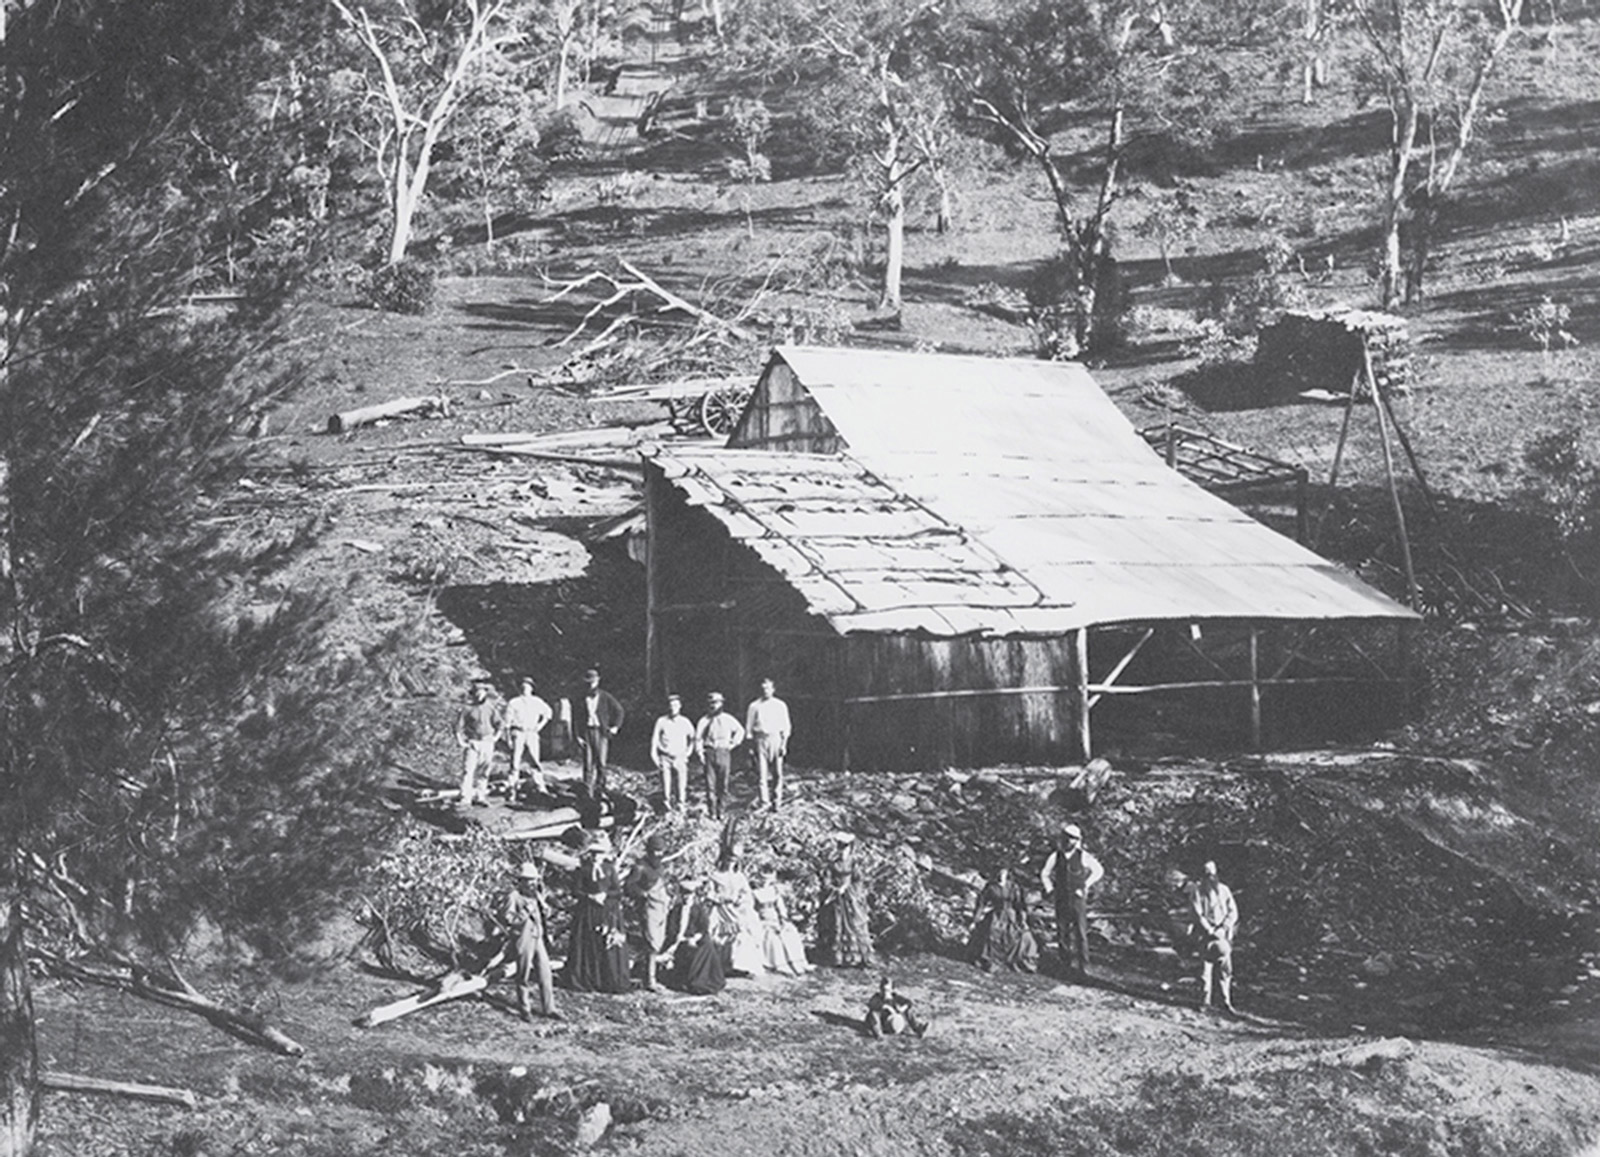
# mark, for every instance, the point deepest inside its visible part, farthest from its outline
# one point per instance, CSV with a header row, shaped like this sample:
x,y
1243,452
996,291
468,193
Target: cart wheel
x,y
720,409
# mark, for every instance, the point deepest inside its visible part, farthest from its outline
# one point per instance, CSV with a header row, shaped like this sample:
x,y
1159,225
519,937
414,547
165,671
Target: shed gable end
x,y
782,415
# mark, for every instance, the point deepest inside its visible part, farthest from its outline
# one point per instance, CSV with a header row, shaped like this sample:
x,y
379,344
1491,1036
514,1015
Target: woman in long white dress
x,y
781,946
734,924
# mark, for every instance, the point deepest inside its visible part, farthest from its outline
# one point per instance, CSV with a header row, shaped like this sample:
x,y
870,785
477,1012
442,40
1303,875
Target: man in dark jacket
x,y
596,716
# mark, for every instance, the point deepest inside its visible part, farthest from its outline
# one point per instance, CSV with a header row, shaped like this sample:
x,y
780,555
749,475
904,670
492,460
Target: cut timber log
x,y
435,405
451,986
163,1094
603,436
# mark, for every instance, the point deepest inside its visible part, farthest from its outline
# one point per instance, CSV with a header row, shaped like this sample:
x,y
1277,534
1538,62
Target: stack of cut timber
x,y
1321,350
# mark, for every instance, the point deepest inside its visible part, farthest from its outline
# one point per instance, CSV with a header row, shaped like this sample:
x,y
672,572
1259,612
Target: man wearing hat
x,y
1216,919
1069,872
477,731
671,744
715,739
524,918
526,716
596,716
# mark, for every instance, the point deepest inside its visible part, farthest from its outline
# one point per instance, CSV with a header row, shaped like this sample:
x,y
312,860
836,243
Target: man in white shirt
x,y
767,723
1216,919
671,744
715,739
1069,872
477,731
526,716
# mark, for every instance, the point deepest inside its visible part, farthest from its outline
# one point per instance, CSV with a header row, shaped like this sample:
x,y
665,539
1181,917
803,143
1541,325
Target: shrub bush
x,y
404,288
560,138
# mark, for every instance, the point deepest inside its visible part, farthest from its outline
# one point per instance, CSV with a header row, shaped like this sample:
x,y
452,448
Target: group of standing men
x,y
594,716
712,740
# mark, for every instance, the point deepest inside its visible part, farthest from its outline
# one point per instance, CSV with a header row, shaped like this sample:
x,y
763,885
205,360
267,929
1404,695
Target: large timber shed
x,y
951,561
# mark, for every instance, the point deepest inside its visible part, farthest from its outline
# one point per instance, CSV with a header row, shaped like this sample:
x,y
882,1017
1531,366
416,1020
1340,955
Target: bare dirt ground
x,y
1419,959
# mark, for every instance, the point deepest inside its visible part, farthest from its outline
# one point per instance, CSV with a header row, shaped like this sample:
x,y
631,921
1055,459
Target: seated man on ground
x,y
889,1013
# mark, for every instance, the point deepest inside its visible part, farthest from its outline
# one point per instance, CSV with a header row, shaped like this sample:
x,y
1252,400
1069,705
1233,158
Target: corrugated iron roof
x,y
998,496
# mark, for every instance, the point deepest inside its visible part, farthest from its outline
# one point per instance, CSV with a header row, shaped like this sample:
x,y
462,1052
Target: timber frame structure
x,y
955,561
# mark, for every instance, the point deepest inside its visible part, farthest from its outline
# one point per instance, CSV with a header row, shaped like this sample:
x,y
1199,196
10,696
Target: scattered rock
x,y
1379,965
592,1125
1372,1054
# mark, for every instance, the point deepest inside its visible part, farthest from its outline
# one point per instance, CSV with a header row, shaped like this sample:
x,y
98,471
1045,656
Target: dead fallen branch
x,y
162,1094
641,285
138,982
433,406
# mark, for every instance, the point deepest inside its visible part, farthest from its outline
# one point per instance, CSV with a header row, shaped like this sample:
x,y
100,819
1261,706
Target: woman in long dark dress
x,y
598,958
1000,934
843,937
696,957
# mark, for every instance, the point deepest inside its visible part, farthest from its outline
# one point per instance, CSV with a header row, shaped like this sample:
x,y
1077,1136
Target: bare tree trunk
x,y
1089,238
895,213
563,69
1510,21
1394,200
945,216
1313,70
19,1050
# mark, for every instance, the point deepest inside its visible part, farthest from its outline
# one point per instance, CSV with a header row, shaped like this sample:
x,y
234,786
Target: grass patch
x,y
1333,1112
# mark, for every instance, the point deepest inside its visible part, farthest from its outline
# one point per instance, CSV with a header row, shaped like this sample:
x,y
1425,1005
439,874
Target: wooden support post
x,y
1411,456
1172,443
1255,690
1403,658
1333,474
1080,643
1301,478
652,575
1388,471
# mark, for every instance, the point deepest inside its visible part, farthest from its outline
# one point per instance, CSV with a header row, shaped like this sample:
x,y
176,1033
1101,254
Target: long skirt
x,y
738,933
598,959
1003,940
783,949
697,969
843,938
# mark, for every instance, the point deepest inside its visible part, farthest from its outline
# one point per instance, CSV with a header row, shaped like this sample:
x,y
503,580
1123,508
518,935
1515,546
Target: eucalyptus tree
x,y
1025,72
418,62
1430,61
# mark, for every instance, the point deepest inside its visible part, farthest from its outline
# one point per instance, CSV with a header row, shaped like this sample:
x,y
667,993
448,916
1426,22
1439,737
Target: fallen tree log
x,y
75,1083
135,980
434,405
